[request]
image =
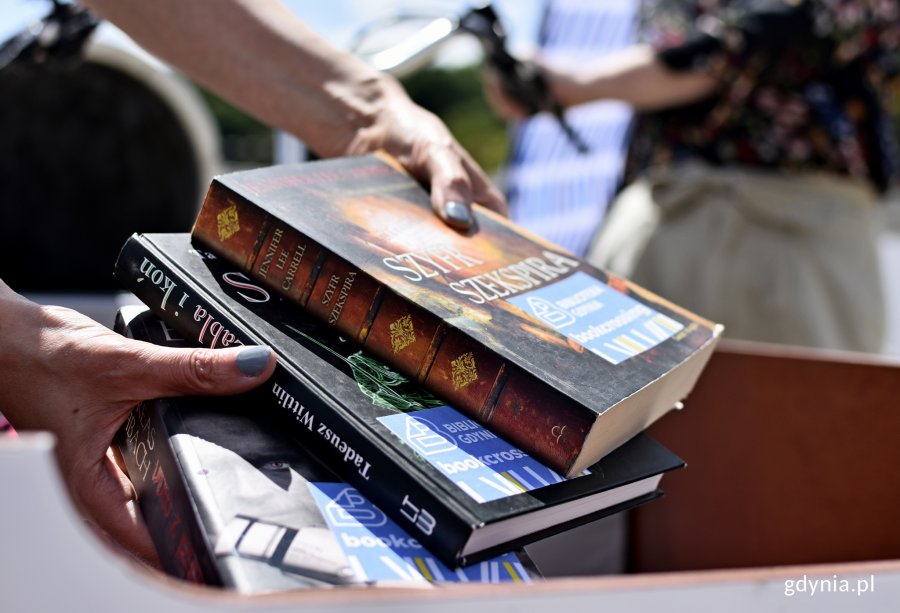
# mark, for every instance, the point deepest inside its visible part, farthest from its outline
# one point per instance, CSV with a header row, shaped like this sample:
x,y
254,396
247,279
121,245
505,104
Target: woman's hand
x,y
61,371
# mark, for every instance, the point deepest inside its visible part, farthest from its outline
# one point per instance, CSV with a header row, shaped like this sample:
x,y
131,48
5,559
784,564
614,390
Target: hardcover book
x,y
565,361
455,486
231,500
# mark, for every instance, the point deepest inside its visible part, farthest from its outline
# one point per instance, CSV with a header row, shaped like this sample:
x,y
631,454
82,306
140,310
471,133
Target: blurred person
x,y
62,372
762,145
553,189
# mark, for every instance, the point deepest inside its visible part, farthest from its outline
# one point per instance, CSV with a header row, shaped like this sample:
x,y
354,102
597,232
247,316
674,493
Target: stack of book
x,y
232,500
483,389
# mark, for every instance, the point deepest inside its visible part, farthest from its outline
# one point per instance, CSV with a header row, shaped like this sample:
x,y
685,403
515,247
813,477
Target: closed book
x,y
564,360
455,486
231,500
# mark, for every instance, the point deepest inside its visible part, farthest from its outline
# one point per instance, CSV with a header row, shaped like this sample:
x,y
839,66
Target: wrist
x,y
567,90
14,309
19,332
355,122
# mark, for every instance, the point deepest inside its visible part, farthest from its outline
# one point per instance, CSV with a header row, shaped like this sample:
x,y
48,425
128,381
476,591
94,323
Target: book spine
x,y
163,497
313,416
467,375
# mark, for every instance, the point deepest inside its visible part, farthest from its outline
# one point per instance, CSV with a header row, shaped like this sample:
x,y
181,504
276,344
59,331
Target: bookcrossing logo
x,y
377,549
606,322
480,463
350,508
424,437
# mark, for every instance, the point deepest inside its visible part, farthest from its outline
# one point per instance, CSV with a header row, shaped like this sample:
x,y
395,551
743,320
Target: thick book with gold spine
x,y
562,359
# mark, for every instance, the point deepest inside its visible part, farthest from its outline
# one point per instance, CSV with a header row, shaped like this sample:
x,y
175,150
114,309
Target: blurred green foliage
x,y
454,95
244,139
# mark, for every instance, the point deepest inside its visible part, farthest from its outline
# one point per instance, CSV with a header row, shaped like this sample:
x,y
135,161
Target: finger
x,y
451,188
109,504
483,190
178,372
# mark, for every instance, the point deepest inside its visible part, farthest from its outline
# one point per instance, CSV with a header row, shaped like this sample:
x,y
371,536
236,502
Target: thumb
x,y
183,372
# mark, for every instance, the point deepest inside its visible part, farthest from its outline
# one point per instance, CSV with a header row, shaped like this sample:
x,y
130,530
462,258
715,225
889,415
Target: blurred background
x,y
68,163
69,167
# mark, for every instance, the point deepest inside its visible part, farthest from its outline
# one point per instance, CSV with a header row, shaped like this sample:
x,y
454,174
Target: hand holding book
x,y
262,58
63,372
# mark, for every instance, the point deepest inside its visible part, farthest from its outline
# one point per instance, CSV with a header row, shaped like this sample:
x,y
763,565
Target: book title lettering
x,y
308,420
507,281
176,532
141,439
213,333
160,279
318,178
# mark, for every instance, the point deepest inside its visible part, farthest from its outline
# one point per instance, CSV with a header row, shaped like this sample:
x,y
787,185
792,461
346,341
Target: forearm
x,y
635,76
32,344
259,56
16,320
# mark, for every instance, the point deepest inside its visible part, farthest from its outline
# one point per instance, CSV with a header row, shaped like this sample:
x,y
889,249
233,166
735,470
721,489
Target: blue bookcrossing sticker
x,y
479,462
597,317
380,550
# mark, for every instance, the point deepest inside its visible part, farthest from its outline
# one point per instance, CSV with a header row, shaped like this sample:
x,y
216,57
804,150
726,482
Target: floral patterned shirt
x,y
805,84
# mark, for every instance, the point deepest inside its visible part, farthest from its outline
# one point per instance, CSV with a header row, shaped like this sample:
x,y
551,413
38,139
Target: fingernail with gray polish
x,y
253,360
458,212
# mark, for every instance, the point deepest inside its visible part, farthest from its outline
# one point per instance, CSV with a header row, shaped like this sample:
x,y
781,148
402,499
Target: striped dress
x,y
554,190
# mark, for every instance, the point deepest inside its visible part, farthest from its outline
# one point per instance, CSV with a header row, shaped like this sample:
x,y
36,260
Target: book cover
x,y
231,500
457,487
509,329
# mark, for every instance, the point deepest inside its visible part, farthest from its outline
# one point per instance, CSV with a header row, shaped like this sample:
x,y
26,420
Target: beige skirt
x,y
776,257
